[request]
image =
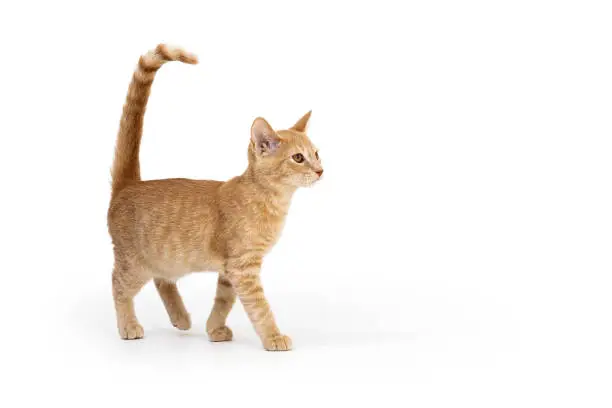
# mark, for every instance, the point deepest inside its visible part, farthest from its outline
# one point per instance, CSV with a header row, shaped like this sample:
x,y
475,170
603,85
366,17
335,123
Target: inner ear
x,y
263,137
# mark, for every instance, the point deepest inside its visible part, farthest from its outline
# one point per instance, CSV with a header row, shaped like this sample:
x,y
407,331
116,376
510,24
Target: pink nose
x,y
319,172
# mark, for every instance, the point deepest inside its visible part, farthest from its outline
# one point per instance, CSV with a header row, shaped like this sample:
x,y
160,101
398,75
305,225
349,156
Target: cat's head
x,y
287,156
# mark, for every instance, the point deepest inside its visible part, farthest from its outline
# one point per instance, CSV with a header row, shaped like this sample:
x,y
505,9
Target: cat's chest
x,y
263,227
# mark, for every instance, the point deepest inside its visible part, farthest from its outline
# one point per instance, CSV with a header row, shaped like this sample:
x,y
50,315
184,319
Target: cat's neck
x,y
267,189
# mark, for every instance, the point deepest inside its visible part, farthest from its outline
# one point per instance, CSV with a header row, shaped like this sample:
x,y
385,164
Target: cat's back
x,y
165,194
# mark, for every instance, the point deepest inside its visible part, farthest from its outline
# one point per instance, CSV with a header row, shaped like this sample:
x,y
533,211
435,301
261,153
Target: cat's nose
x,y
319,172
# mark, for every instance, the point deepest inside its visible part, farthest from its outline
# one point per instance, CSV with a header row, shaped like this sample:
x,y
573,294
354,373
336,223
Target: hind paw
x,y
131,331
181,321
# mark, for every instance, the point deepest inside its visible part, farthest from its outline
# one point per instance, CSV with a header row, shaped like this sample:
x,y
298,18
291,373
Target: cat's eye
x,y
317,155
298,157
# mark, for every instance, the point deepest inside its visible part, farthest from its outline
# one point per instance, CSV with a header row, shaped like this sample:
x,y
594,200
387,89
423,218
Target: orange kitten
x,y
165,229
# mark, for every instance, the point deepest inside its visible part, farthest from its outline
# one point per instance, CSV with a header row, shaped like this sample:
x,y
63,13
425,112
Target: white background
x,y
457,252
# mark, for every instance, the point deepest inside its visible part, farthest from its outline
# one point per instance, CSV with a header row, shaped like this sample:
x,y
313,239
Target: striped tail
x,y
126,167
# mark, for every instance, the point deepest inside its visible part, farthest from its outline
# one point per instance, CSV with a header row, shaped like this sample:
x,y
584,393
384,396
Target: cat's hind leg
x,y
173,303
224,300
127,282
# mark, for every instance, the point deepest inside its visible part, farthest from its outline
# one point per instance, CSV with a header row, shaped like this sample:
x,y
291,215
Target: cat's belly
x,y
175,264
173,270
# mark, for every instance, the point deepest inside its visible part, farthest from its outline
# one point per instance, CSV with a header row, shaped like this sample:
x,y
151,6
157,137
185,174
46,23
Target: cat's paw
x,y
131,331
181,320
277,343
222,333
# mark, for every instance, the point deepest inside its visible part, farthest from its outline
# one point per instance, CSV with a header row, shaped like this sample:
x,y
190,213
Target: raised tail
x,y
126,166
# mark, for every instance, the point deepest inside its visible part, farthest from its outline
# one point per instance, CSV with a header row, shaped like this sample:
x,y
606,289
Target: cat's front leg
x,y
244,276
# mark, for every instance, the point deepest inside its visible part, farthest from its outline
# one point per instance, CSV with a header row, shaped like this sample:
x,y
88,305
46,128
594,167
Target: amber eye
x,y
317,155
298,157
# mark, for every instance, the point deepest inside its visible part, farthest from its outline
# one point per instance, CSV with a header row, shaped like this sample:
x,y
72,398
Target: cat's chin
x,y
298,184
308,184
312,184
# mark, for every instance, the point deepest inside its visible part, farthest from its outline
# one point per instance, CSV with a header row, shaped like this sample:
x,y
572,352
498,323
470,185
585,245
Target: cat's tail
x,y
126,166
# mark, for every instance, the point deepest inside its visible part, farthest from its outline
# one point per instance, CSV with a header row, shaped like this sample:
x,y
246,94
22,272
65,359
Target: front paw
x,y
222,333
277,343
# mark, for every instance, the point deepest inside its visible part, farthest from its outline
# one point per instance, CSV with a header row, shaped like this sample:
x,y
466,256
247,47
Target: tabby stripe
x,y
225,282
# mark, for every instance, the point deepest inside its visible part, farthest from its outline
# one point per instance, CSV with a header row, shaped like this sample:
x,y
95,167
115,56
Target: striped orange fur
x,y
164,229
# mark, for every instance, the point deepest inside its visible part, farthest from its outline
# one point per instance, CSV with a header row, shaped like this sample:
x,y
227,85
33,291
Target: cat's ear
x,y
264,138
302,124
